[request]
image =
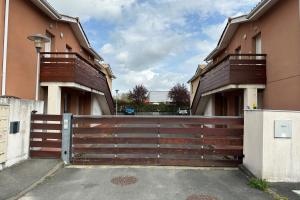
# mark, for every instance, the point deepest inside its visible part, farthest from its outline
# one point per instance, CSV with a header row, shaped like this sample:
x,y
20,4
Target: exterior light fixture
x,y
39,41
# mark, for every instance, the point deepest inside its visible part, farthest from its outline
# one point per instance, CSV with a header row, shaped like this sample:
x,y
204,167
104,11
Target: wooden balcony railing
x,y
72,67
233,69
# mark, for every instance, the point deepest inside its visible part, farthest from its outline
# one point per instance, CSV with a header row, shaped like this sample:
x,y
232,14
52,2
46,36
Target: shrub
x,y
259,184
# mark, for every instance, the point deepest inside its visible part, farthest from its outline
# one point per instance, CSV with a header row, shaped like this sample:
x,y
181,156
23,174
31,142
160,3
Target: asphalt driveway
x,y
149,183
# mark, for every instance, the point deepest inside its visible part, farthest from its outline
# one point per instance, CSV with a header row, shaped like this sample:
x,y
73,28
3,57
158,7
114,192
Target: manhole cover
x,y
124,180
201,197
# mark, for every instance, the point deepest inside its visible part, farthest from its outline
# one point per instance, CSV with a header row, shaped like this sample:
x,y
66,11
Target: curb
x,y
249,175
51,172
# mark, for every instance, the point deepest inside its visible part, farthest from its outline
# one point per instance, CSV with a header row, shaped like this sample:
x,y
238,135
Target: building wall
x,y
25,19
210,107
280,30
267,157
18,144
194,85
95,105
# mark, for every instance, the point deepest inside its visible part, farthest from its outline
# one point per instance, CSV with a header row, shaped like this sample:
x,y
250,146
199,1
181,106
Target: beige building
x,y
71,76
255,64
194,82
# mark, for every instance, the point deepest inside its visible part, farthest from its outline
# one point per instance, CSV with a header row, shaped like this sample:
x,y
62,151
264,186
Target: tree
x,y
180,95
138,95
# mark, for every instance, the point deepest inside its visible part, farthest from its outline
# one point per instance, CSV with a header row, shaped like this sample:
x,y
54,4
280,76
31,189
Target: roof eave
x,y
261,8
81,33
257,12
47,8
230,28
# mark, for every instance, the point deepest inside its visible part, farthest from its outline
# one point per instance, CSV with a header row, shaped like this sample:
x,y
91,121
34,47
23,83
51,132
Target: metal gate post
x,y
66,138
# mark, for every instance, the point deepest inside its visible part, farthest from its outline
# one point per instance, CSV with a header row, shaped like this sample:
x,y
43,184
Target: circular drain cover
x,y
201,197
124,180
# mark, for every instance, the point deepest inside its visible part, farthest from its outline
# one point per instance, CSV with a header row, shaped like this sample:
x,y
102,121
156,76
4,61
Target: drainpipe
x,y
4,63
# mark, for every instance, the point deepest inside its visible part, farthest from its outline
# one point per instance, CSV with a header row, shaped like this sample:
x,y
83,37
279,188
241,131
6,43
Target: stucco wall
x,y
194,85
280,30
18,144
274,159
95,105
210,106
25,19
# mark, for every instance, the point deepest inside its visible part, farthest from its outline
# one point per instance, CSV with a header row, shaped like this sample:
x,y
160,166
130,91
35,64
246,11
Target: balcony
x,y
71,67
233,69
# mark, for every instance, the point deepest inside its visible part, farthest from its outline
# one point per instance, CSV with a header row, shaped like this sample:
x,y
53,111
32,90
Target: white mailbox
x,y
4,116
283,129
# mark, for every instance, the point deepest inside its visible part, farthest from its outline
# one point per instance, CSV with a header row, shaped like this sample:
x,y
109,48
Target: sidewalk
x,y
289,190
16,179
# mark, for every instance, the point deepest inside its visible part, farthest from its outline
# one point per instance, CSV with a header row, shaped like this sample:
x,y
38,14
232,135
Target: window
x,y
68,50
49,46
257,45
239,105
238,51
67,100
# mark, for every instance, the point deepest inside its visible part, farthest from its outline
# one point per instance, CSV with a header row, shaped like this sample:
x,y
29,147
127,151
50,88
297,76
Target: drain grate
x,y
124,180
201,197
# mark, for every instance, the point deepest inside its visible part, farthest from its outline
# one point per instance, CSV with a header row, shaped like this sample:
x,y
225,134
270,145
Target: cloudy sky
x,y
157,43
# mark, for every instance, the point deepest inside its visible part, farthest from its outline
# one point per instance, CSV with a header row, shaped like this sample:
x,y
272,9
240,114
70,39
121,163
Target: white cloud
x,y
156,42
98,9
153,79
107,49
214,31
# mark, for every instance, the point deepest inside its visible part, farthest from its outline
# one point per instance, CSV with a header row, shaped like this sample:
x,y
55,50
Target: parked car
x,y
129,111
182,111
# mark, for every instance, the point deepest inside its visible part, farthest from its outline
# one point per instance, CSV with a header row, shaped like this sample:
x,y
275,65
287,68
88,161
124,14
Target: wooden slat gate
x,y
164,141
45,136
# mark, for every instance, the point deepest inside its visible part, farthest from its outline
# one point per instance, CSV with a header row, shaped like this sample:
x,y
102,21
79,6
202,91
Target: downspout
x,y
4,63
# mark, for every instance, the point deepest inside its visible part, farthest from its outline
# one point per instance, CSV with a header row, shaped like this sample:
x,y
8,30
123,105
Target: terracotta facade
x,y
278,31
280,35
26,19
22,57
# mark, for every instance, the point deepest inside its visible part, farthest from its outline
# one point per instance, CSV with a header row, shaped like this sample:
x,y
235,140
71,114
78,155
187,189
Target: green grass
x,y
259,184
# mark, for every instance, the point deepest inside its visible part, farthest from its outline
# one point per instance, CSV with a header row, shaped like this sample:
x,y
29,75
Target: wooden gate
x,y
45,136
164,141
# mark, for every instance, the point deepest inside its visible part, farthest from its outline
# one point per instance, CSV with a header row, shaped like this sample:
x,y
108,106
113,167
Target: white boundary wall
x,y
18,144
267,157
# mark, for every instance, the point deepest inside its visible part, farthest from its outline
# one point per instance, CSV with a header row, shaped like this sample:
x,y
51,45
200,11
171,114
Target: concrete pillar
x,y
210,106
54,100
250,98
66,138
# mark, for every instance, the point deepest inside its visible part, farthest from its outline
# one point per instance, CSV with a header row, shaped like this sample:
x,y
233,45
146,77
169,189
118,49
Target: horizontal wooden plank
x,y
170,151
45,154
158,120
141,140
118,130
39,117
189,130
37,126
158,162
45,135
57,60
248,62
51,144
